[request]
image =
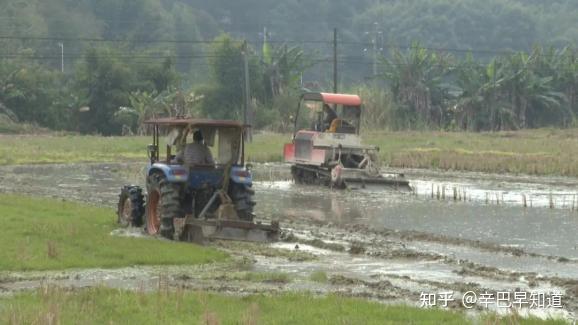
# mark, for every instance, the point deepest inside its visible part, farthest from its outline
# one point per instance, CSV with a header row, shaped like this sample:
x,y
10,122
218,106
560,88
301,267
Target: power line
x,y
436,49
368,62
89,39
326,42
116,56
111,40
342,59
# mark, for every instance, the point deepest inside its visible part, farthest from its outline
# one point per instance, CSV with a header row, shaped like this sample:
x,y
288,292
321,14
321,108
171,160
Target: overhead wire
x,y
258,42
343,59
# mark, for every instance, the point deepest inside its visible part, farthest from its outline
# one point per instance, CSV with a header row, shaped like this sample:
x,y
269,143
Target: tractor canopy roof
x,y
205,123
338,99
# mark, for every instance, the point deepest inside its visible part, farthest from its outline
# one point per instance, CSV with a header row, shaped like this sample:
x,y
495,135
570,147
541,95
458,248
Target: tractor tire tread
x,y
170,206
242,196
134,193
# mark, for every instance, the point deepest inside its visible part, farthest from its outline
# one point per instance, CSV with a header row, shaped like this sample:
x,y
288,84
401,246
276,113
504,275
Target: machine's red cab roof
x,y
338,99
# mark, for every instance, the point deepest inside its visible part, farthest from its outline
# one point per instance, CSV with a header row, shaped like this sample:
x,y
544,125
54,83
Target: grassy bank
x,y
535,152
108,306
539,152
41,234
38,149
34,149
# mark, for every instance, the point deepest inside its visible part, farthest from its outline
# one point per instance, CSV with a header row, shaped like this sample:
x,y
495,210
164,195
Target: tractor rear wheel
x,y
163,206
242,196
130,206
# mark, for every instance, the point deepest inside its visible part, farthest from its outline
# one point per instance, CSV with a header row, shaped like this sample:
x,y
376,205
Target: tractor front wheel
x,y
163,206
130,206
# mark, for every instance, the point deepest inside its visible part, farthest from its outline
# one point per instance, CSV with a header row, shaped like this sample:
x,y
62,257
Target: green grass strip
x,y
43,234
109,306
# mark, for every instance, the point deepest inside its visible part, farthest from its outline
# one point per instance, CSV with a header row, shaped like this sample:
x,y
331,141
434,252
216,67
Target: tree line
x,y
517,90
112,91
126,60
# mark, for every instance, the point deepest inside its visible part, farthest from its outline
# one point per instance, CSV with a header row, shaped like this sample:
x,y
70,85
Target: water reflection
x,y
293,202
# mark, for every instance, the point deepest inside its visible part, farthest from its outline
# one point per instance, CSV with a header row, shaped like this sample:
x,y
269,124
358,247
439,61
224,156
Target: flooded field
x,y
536,230
454,231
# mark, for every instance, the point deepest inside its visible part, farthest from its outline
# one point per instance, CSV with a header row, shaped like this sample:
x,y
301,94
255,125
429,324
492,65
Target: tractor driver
x,y
329,117
344,125
196,153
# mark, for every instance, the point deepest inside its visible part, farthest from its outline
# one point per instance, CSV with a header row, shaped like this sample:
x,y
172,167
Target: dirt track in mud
x,y
379,244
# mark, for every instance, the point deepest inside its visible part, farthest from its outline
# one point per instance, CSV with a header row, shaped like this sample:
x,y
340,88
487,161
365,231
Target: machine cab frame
x,y
347,109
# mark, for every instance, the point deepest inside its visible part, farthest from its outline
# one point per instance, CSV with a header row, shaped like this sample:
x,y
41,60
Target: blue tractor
x,y
195,202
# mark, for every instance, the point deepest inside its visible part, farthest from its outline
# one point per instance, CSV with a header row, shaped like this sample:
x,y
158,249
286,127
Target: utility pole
x,y
375,37
374,41
264,35
61,56
493,109
247,112
335,60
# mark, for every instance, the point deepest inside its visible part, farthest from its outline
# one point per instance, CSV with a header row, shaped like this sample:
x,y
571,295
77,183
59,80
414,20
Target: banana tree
x,y
283,67
416,79
479,105
563,65
532,95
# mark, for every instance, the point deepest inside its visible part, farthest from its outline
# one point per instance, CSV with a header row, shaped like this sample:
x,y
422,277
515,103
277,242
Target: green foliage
x,y
104,81
106,85
162,45
8,125
415,79
277,115
224,97
33,93
282,68
156,77
223,94
274,81
379,109
513,91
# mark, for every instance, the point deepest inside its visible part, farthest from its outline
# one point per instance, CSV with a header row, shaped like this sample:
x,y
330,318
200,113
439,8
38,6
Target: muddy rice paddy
x,y
454,232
